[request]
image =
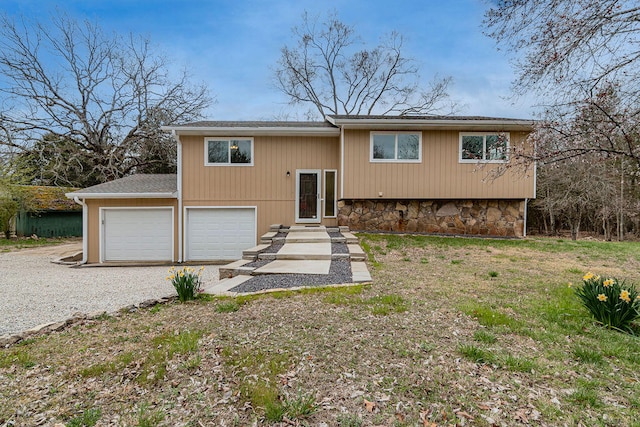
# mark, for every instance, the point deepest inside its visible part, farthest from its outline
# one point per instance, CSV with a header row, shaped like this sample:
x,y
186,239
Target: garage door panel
x,y
219,233
138,234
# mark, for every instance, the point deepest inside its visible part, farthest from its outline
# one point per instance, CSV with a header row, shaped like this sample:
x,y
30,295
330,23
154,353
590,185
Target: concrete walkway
x,y
306,250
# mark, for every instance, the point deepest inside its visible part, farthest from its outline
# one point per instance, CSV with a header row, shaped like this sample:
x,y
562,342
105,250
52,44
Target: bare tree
x,y
99,98
569,44
601,124
328,70
583,58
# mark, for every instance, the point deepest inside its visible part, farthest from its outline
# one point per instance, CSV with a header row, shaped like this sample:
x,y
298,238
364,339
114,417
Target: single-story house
x,y
376,173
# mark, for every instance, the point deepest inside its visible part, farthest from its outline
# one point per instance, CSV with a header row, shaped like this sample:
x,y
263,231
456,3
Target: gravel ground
x,y
273,248
257,264
339,248
36,291
339,272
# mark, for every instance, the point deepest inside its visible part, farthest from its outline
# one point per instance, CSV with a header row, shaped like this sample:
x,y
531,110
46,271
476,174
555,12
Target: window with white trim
x,y
490,147
403,147
228,151
330,193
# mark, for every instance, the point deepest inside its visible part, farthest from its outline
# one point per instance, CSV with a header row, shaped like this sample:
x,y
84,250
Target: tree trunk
x,y
575,228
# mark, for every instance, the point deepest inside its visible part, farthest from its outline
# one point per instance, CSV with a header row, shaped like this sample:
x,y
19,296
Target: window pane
x,y
218,152
240,151
496,147
408,146
384,146
329,193
472,147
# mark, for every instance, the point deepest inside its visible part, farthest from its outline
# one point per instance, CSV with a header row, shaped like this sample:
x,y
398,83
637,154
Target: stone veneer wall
x,y
479,217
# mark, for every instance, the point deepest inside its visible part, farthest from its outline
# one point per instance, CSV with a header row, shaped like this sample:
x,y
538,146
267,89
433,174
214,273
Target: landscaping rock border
x,y
7,341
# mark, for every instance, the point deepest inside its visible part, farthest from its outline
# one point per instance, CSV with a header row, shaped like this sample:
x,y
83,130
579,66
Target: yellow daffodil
x,y
172,276
588,276
624,296
202,268
607,283
602,297
569,284
181,273
596,278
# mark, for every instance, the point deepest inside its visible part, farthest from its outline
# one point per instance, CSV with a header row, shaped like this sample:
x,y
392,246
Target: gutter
x,y
167,195
252,131
524,229
85,228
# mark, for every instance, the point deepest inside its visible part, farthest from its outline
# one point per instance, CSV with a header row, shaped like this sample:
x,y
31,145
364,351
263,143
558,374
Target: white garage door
x,y
137,234
219,233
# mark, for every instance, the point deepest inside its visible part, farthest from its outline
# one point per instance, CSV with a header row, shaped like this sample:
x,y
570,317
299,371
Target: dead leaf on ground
x,y
424,418
370,406
465,415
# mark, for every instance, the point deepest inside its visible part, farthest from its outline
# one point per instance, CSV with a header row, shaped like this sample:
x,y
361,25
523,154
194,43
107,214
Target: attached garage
x,y
137,234
218,233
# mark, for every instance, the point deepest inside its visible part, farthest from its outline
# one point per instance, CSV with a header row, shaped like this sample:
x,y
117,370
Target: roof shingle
x,y
134,184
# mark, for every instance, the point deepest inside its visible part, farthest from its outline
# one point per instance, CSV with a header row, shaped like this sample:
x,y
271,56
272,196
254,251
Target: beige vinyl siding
x,y
439,176
265,184
93,226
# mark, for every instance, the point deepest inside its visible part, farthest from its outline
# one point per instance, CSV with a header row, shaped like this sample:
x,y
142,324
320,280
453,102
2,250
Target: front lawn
x,y
452,332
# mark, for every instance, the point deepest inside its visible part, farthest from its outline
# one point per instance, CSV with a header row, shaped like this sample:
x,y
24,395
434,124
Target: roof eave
x,y
167,195
436,124
252,131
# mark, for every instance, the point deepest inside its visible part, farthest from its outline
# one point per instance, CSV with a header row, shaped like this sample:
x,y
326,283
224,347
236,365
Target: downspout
x,y
179,185
341,163
85,228
524,229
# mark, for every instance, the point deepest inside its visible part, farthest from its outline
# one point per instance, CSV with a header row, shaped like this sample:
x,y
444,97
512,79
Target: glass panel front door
x,y
308,204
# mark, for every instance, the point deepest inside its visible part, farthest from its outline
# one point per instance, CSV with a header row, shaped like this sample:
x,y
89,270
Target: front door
x,y
308,195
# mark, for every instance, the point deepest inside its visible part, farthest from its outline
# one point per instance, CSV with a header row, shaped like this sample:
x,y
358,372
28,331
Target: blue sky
x,y
233,46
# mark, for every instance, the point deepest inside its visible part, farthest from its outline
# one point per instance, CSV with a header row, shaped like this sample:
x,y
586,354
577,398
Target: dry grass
x,y
437,339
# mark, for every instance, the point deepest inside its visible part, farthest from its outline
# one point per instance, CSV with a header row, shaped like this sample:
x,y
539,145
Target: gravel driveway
x,y
34,291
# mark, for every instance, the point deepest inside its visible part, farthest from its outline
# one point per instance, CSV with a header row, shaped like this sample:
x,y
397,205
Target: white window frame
x,y
335,193
484,147
226,139
395,159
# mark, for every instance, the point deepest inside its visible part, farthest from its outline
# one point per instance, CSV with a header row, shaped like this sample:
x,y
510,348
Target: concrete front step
x,y
349,237
305,251
223,286
252,253
231,270
359,272
307,237
289,266
296,228
356,252
267,238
